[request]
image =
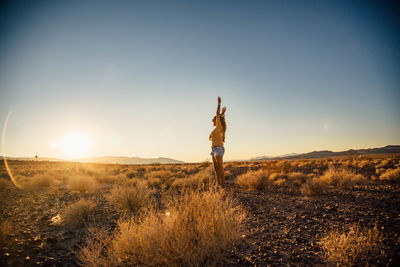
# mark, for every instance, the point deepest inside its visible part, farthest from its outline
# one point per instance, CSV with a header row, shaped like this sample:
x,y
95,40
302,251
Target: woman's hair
x,y
223,124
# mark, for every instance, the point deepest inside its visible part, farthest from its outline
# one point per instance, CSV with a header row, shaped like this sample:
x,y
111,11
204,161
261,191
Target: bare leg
x,y
216,167
221,170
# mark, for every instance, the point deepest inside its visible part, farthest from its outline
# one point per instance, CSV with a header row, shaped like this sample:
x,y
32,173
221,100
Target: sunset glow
x,y
142,78
73,145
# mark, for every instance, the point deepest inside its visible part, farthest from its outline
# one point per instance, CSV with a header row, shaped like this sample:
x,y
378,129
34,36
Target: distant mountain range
x,y
31,159
268,157
391,149
107,159
130,160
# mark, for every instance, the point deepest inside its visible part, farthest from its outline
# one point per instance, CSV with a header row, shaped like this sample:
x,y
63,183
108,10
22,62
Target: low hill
x,y
390,149
130,160
107,160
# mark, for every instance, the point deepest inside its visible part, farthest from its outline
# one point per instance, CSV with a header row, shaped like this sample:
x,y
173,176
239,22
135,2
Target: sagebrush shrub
x,y
333,177
196,229
36,181
391,175
81,183
196,180
357,247
255,180
341,177
78,212
131,197
314,187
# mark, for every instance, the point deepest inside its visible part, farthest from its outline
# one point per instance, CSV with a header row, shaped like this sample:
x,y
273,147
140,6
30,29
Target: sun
x,y
74,145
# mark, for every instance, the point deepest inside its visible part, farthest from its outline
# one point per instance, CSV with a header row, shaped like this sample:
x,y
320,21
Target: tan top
x,y
217,135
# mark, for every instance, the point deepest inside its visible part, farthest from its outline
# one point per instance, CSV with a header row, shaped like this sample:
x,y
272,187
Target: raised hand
x,y
219,100
223,111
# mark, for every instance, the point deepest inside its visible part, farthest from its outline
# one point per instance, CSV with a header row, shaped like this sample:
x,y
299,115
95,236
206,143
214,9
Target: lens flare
x,y
3,143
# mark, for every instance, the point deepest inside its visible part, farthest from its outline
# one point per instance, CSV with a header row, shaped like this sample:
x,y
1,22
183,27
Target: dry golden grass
x,y
314,187
133,174
333,177
196,180
179,174
391,175
78,212
190,169
254,180
384,163
205,164
364,164
131,197
42,181
93,253
82,183
379,171
357,247
298,178
166,176
35,181
284,165
155,182
341,177
110,179
195,230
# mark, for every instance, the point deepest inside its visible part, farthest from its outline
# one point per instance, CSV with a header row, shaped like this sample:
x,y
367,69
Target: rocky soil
x,y
282,227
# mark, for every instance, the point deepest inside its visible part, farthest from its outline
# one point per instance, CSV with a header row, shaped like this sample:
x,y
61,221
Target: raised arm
x,y
223,111
218,107
218,115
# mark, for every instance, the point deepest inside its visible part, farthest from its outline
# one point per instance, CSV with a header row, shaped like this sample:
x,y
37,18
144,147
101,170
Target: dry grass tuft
x,y
165,177
196,180
41,181
78,212
92,254
255,180
81,183
205,164
341,177
196,230
298,178
359,246
391,175
131,197
314,187
335,177
36,181
110,179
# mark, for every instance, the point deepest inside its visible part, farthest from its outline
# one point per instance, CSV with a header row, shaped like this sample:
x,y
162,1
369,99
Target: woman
x,y
217,138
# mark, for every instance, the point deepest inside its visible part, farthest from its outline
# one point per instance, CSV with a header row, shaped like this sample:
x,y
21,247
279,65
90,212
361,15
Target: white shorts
x,y
217,151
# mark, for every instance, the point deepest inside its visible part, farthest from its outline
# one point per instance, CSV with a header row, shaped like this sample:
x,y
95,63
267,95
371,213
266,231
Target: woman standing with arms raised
x,y
217,138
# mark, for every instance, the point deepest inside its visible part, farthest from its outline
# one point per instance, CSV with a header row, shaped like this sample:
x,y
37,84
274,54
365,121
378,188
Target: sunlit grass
x,y
195,229
78,212
359,246
133,196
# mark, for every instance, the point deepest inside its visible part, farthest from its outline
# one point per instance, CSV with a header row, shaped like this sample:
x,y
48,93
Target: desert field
x,y
338,211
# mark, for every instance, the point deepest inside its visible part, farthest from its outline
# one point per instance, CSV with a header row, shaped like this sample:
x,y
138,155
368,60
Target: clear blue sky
x,y
141,78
